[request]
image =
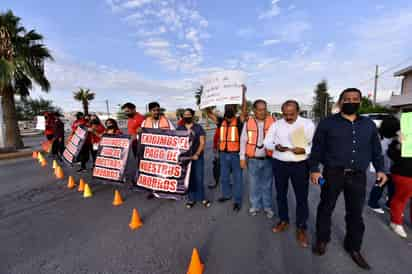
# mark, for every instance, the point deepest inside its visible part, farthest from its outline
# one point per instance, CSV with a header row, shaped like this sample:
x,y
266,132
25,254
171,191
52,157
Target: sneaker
x,y
377,210
253,211
398,229
269,213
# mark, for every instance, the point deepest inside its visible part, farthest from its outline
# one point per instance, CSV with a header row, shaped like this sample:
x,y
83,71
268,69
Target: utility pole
x,y
375,89
326,105
107,108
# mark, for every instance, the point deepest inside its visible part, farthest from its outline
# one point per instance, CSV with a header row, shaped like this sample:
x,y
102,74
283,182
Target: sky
x,y
146,50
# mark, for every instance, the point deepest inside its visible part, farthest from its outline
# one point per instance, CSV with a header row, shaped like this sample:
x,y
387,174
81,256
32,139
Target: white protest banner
x,y
221,88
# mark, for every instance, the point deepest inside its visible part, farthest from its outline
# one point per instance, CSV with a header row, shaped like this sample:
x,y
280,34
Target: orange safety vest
x,y
252,135
163,123
229,136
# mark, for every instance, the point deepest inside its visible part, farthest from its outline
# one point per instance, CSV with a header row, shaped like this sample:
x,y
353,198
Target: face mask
x,y
350,108
188,120
110,127
94,121
129,114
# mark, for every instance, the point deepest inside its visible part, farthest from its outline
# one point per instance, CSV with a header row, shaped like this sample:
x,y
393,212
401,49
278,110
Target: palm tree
x,y
22,59
84,96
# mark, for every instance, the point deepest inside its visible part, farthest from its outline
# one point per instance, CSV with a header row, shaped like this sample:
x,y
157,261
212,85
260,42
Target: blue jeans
x,y
196,190
298,173
231,162
261,180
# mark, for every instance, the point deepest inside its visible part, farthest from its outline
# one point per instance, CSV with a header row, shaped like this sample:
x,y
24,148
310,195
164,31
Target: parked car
x,y
377,117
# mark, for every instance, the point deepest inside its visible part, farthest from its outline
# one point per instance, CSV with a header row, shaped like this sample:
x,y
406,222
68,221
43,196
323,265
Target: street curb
x,y
15,155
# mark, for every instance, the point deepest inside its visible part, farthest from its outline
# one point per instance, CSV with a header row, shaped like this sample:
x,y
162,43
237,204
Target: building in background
x,y
404,100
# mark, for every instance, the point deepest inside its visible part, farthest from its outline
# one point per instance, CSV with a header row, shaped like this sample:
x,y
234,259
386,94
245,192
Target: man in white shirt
x,y
290,139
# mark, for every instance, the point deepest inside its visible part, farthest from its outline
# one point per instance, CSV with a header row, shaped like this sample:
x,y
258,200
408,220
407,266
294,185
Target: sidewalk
x,y
25,152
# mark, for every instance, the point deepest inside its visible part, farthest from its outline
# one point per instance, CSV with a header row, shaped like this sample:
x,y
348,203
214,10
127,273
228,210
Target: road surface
x,y
46,228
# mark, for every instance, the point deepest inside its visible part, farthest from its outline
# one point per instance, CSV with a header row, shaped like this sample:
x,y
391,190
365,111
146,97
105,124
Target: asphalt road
x,y
46,228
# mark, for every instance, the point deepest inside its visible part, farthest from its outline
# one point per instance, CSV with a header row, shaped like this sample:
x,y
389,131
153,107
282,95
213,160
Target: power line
x,y
387,70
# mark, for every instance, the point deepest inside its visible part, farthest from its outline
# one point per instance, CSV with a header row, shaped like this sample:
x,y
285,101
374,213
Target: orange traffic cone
x,y
70,183
135,222
34,155
43,162
195,266
87,191
117,198
81,186
59,173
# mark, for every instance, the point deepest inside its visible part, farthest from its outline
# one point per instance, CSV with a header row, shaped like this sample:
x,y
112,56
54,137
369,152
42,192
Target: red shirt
x,y
78,122
50,125
99,129
180,123
134,123
216,138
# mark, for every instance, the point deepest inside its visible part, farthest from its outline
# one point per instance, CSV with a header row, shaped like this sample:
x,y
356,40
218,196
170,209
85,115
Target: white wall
x,y
407,84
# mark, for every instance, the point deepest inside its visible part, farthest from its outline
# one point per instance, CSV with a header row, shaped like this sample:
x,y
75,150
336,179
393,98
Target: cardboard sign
x,y
406,132
164,162
222,88
74,144
111,160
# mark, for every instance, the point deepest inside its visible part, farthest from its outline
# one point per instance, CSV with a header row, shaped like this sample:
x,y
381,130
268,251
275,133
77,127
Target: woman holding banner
x,y
196,187
112,128
96,131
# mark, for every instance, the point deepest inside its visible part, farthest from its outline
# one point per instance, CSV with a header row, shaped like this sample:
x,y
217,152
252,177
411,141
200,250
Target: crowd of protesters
x,y
335,155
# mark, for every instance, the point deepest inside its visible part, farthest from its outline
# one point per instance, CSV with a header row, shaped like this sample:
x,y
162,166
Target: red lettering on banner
x,y
165,141
71,148
111,152
115,142
68,156
184,143
80,132
161,169
155,153
156,183
172,156
107,162
106,173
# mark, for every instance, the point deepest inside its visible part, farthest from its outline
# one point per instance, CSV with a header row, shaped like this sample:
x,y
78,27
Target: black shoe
x,y
319,249
150,196
358,259
212,185
223,199
236,207
81,170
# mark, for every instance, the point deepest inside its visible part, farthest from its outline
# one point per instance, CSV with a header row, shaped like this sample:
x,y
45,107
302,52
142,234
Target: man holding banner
x,y
230,128
156,120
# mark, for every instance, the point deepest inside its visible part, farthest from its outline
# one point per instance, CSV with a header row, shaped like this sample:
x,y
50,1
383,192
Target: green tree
x,y
322,101
28,108
84,96
368,107
22,59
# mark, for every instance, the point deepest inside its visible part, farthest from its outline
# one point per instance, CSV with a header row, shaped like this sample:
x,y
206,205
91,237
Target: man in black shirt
x,y
345,144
